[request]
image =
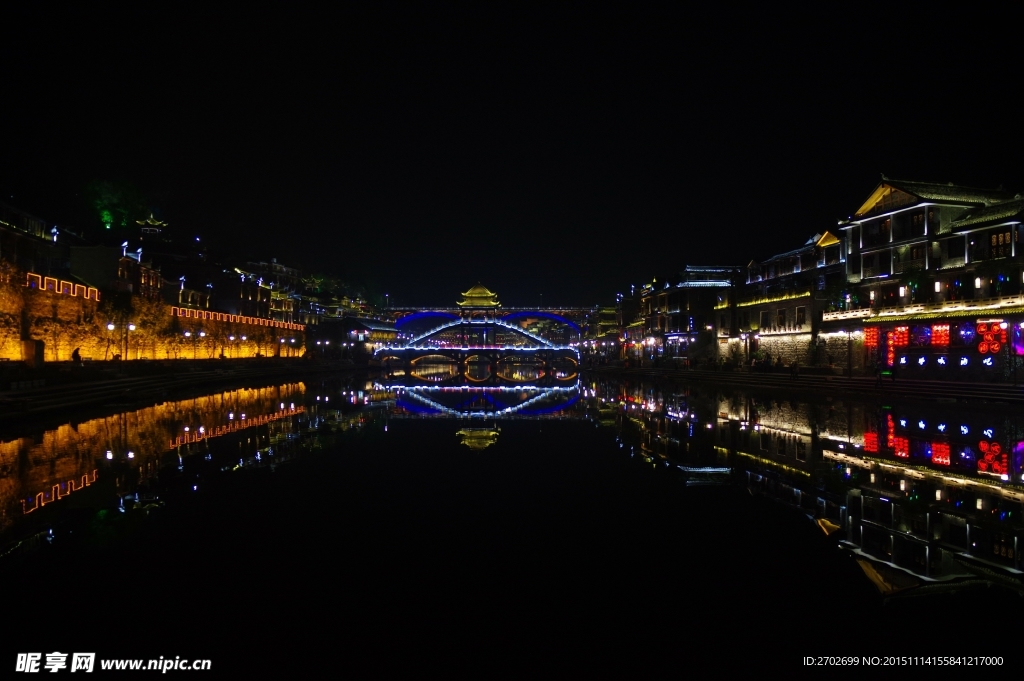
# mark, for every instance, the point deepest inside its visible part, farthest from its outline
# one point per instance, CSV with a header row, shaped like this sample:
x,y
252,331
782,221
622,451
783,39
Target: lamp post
x,y
195,338
122,341
127,329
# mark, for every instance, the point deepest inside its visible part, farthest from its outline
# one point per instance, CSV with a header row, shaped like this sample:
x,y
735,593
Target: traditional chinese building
x,y
934,282
776,313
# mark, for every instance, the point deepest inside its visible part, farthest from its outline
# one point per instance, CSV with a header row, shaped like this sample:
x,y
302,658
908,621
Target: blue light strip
x,y
482,322
508,411
420,315
394,348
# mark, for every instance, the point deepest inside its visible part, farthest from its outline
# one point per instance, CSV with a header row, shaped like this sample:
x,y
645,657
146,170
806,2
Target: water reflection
x,y
925,495
131,447
470,399
479,369
478,439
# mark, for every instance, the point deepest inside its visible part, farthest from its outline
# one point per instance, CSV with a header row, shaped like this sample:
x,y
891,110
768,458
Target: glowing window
x,y
901,336
871,442
940,453
992,338
940,334
993,459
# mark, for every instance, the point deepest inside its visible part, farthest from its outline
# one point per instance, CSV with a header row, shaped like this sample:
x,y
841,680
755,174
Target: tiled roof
x,y
930,191
373,325
790,254
994,213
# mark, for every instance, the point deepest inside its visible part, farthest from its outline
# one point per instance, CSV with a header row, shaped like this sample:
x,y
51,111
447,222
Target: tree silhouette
x,y
116,204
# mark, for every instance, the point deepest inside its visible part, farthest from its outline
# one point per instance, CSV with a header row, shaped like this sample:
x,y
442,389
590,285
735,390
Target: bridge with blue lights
x,y
483,343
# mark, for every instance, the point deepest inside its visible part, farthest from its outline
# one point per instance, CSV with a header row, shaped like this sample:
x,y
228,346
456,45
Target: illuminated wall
x,y
65,316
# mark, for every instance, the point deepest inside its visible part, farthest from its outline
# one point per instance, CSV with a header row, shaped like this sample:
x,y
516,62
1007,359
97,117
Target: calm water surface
x,y
353,525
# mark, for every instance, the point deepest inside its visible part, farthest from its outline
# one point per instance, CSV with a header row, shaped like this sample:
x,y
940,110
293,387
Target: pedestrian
x,y
76,356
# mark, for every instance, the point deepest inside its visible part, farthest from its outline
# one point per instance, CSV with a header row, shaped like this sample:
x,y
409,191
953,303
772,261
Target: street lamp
x,y
194,338
130,327
110,330
122,341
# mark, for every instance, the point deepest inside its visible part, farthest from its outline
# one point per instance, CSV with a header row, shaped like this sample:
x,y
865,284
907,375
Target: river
x,y
374,527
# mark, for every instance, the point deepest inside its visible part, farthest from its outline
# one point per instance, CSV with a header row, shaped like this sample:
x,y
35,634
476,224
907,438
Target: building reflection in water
x,y
478,439
925,495
131,447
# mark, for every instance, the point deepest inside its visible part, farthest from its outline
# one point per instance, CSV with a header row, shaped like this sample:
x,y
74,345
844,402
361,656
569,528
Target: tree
x,y
11,305
59,321
117,204
151,319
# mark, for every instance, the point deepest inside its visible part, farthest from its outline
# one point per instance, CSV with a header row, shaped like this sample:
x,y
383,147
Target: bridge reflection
x,y
475,401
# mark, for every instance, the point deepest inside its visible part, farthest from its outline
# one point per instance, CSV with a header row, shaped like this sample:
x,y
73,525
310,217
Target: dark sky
x,y
559,154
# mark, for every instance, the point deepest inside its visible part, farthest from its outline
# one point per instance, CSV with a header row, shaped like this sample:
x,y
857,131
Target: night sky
x,y
559,155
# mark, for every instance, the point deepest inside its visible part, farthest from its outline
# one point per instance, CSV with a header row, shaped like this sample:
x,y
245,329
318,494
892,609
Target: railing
x,y
979,304
875,271
847,314
950,263
900,267
480,322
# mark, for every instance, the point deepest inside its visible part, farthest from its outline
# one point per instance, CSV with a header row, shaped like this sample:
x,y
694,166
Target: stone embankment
x,y
45,393
864,387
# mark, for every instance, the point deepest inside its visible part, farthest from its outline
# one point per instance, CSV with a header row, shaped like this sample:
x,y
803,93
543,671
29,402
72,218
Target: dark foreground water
x,y
557,538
